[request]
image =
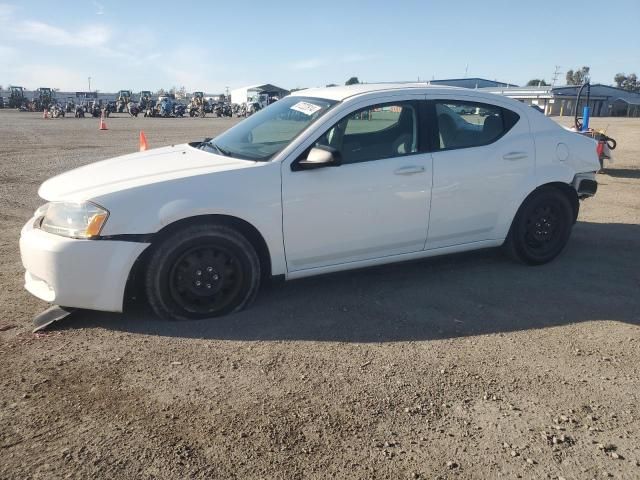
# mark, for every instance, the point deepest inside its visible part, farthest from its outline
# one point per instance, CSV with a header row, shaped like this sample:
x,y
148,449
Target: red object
x,y
103,125
143,142
600,149
45,113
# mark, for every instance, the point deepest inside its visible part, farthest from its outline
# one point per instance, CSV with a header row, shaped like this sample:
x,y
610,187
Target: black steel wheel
x,y
541,228
202,271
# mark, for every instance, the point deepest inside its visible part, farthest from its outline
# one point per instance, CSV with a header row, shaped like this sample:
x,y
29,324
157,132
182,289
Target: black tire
x,y
202,271
541,228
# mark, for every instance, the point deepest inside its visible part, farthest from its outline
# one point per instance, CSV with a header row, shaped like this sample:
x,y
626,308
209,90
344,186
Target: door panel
x,y
357,211
473,185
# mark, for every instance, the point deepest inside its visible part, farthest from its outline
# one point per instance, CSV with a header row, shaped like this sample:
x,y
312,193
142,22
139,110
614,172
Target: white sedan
x,y
320,181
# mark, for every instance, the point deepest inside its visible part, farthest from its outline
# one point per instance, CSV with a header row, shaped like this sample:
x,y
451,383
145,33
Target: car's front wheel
x,y
541,228
202,271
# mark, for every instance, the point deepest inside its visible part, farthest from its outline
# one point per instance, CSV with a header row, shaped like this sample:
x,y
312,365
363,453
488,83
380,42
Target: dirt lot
x,y
467,366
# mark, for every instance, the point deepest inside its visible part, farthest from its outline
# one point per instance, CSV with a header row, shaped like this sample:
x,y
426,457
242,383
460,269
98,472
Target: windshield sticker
x,y
306,108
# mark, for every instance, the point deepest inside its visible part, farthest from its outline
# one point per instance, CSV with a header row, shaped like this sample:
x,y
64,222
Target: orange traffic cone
x,y
143,142
103,125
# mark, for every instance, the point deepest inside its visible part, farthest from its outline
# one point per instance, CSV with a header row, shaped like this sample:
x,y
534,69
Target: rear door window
x,y
469,124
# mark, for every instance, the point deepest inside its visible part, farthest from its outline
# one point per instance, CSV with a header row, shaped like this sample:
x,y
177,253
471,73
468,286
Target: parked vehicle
x,y
221,109
165,106
240,110
197,110
96,109
44,98
252,107
70,105
146,100
366,175
133,109
122,101
198,106
179,110
17,98
109,107
56,110
80,111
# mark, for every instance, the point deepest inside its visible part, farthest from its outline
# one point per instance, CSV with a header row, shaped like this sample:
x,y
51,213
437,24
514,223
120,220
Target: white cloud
x,y
38,75
40,32
184,65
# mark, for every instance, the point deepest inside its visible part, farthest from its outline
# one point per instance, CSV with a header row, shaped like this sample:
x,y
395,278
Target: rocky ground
x,y
467,366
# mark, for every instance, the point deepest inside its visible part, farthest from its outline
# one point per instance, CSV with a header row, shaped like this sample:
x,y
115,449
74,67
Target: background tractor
x,y
44,97
146,100
16,97
198,105
122,101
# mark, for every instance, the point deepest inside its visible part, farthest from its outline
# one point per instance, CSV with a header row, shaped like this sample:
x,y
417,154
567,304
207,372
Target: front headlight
x,y
75,220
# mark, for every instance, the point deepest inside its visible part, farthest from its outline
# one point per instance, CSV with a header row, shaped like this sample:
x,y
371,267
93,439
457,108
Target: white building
x,y
561,100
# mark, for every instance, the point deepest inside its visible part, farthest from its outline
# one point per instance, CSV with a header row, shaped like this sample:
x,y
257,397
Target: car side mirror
x,y
319,157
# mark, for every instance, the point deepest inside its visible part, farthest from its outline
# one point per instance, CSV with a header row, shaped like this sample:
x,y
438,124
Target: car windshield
x,y
267,132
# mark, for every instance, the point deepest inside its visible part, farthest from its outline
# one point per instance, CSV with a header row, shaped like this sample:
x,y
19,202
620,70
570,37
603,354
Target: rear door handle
x,y
515,155
412,170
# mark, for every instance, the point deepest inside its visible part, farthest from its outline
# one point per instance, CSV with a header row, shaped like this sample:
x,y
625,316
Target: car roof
x,y
341,93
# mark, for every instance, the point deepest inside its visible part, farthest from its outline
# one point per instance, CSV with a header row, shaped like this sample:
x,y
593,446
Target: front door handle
x,y
515,155
412,170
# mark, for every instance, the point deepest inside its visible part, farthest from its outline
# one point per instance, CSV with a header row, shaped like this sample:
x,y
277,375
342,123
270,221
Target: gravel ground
x,y
467,366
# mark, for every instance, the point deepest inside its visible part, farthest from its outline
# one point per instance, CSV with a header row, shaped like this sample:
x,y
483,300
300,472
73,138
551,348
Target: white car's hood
x,y
136,169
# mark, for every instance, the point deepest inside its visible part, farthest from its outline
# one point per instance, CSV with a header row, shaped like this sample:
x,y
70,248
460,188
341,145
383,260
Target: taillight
x,y
600,149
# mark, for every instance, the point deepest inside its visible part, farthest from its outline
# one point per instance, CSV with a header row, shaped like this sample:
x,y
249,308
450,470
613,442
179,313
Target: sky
x,y
211,45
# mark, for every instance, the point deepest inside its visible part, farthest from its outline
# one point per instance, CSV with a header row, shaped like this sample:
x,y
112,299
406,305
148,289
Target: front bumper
x,y
88,274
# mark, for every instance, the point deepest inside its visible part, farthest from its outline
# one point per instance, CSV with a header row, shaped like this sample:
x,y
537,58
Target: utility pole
x,y
556,74
89,78
466,70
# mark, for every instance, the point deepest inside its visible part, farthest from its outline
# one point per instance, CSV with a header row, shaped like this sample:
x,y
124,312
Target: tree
x,y
627,82
160,92
537,83
352,81
578,77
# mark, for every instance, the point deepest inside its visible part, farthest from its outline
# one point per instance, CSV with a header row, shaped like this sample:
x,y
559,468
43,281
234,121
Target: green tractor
x,y
16,97
122,100
44,99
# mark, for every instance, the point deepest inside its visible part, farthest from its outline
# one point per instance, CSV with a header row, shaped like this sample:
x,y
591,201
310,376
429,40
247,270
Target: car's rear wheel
x,y
541,228
202,271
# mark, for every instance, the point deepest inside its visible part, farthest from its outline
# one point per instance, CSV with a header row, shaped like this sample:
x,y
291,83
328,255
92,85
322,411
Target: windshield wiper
x,y
208,144
224,152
